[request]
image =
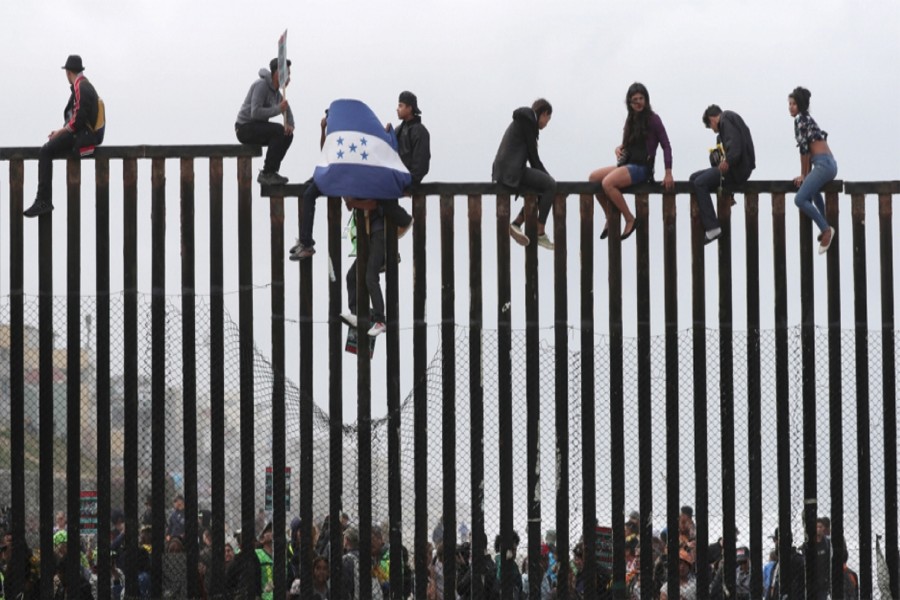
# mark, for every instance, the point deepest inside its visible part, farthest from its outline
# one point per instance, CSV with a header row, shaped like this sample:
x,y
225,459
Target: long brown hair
x,y
638,123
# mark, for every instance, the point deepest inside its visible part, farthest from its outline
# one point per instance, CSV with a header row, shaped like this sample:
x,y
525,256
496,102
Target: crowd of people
x,y
256,567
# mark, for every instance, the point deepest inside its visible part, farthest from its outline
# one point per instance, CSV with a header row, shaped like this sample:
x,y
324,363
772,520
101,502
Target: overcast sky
x,y
176,73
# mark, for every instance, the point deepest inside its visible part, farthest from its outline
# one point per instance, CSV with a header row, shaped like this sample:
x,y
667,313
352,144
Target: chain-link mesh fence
x,y
263,382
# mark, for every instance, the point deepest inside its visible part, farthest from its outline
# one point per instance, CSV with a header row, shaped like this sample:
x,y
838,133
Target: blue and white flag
x,y
359,159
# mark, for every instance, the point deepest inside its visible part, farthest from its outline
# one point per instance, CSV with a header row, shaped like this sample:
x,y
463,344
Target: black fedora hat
x,y
73,63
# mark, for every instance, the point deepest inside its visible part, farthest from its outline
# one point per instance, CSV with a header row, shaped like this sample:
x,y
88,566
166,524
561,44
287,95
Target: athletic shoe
x,y
40,207
517,234
349,319
544,242
712,235
265,178
401,231
377,329
823,247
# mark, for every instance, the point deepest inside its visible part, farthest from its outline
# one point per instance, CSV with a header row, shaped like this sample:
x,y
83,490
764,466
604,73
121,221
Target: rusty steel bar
x,y
754,394
217,375
158,374
670,282
476,399
561,395
808,369
279,425
392,310
189,373
306,295
644,390
15,575
504,401
616,403
335,397
835,402
532,398
130,355
863,417
701,435
889,387
782,393
245,327
588,394
420,395
448,393
364,407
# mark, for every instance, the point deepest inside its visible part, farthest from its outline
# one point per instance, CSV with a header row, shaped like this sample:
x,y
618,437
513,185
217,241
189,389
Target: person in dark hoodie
x,y
732,162
414,148
252,126
77,134
518,146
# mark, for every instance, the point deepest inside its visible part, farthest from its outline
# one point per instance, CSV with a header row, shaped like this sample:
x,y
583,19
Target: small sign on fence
x,y
604,547
270,493
88,521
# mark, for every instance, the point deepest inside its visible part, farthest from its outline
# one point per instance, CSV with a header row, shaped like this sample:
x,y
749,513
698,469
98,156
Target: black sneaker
x,y
265,178
40,207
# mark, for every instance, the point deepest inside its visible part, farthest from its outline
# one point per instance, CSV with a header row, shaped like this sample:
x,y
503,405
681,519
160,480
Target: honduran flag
x,y
359,159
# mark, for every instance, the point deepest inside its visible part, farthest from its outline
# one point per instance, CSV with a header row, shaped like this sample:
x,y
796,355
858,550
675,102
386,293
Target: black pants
x,y
545,185
270,135
373,275
59,147
396,213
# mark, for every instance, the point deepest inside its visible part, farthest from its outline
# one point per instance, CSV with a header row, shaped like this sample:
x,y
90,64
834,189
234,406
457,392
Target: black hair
x,y
801,96
273,65
637,123
541,106
712,110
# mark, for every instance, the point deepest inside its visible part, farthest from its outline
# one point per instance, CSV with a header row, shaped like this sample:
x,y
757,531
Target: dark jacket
x,y
80,113
734,135
519,144
414,147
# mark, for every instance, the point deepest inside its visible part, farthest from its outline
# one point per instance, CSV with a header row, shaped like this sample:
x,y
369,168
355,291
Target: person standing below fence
x,y
518,146
635,157
732,161
817,165
252,126
83,130
176,525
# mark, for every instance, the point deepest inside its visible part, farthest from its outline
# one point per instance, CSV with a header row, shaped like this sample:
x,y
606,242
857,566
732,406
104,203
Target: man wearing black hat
x,y
78,133
414,148
252,126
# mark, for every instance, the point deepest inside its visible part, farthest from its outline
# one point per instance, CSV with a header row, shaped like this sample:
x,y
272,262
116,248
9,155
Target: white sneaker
x,y
712,235
377,329
517,234
544,242
349,319
823,247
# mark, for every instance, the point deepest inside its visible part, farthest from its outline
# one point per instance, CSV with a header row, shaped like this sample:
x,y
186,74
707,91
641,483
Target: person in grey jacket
x,y
518,146
733,163
252,126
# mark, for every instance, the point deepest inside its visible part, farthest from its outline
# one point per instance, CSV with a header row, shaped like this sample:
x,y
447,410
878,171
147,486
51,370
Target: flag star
x,y
340,154
363,141
365,155
352,147
340,141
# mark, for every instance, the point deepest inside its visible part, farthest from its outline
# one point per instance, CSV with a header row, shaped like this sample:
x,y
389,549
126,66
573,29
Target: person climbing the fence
x,y
305,246
85,124
252,126
519,146
635,157
732,161
817,165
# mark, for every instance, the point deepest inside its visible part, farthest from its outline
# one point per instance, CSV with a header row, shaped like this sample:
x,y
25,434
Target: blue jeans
x,y
809,197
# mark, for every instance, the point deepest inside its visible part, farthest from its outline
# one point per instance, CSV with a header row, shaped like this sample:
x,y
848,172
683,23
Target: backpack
x,y
98,128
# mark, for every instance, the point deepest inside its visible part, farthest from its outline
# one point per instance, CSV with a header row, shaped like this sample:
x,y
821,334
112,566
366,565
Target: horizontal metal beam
x,y
144,151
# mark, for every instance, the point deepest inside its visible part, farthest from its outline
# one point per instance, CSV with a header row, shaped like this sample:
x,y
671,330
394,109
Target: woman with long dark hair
x,y
644,132
817,165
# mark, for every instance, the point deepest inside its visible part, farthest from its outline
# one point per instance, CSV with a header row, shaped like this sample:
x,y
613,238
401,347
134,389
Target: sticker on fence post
x,y
270,490
88,522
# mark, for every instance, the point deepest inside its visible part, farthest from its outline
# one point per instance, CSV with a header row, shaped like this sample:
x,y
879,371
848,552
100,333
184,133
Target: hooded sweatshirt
x,y
261,103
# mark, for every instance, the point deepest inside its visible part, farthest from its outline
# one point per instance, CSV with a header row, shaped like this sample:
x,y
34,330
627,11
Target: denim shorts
x,y
639,173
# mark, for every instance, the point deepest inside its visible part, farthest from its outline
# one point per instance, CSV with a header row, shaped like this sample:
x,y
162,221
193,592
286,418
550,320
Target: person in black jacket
x,y
414,148
77,134
518,146
732,163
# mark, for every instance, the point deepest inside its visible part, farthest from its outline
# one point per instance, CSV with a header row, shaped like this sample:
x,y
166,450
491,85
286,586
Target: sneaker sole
x,y
520,238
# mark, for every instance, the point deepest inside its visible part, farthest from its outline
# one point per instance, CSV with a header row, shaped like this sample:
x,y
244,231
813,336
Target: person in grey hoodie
x,y
263,102
520,145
